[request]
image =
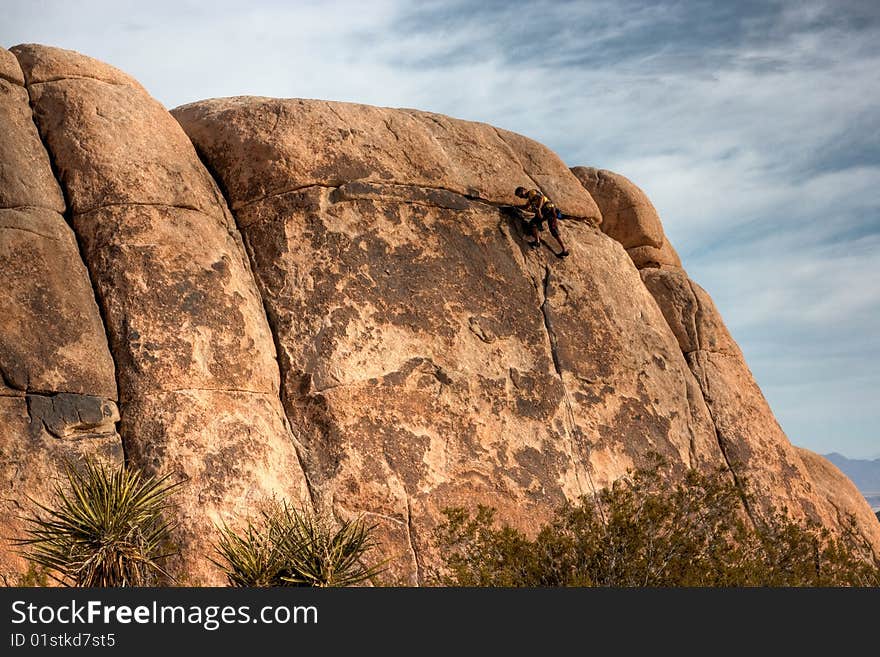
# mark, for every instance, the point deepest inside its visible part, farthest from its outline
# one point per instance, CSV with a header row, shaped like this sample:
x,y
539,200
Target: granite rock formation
x,y
334,304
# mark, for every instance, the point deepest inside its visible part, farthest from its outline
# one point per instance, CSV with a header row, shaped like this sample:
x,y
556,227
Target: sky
x,y
754,127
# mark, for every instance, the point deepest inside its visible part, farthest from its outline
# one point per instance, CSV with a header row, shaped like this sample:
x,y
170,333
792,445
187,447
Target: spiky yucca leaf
x,y
320,555
293,547
106,528
251,557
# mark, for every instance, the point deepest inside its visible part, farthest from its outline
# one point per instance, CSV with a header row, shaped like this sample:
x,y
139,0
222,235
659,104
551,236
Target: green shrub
x,y
105,528
289,547
643,532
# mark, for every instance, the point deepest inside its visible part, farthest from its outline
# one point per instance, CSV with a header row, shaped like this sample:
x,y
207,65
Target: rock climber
x,y
544,210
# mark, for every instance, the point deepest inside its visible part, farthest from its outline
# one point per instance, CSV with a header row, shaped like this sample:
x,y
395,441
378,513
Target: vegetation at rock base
x,y
105,527
291,547
642,533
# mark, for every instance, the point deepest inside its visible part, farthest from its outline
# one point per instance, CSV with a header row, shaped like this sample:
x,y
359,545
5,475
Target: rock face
x,y
520,379
841,493
762,460
356,324
57,379
198,380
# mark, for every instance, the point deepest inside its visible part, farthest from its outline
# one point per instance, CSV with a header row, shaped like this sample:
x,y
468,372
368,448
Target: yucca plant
x,y
107,527
293,547
252,557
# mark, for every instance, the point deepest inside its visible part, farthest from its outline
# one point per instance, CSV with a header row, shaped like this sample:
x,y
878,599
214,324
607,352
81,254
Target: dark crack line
x,y
272,322
162,391
62,78
98,298
698,314
10,80
387,123
335,185
330,106
692,441
736,479
705,391
157,204
412,546
28,230
574,431
548,323
283,192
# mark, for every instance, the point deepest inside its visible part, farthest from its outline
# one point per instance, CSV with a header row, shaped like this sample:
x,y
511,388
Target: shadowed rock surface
x,y
366,329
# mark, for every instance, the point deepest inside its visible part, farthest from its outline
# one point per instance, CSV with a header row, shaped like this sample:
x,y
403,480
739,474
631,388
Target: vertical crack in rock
x,y
572,428
698,314
298,447
703,382
412,545
548,323
272,323
99,300
692,437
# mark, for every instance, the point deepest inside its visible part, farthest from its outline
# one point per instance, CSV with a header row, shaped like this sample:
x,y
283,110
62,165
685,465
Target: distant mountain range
x,y
863,473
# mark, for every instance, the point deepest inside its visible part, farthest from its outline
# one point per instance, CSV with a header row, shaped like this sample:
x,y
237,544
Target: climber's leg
x,y
553,222
533,228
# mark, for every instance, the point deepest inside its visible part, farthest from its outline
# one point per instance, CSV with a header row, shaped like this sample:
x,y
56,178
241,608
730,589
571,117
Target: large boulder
x,y
430,359
57,378
197,372
365,331
755,448
628,215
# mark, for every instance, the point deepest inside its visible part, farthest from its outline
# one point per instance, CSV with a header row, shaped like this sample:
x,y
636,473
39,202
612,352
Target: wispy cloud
x,y
753,126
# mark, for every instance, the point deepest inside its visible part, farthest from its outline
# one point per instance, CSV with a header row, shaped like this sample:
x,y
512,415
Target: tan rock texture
x,y
45,64
836,487
197,372
25,173
650,256
754,446
428,358
627,213
366,329
9,68
346,143
57,378
756,449
104,161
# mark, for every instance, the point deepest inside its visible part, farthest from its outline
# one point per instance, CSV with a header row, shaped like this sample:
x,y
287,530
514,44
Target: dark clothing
x,y
548,214
544,210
